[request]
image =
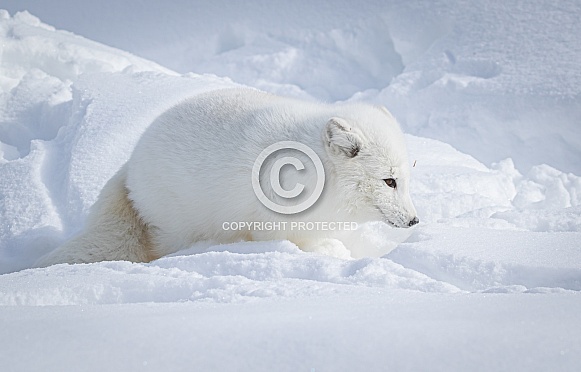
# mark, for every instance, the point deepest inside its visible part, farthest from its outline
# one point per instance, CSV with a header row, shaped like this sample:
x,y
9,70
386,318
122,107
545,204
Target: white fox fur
x,y
191,172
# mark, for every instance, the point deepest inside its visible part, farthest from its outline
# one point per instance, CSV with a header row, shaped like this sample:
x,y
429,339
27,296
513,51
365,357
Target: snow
x,y
488,94
417,332
426,60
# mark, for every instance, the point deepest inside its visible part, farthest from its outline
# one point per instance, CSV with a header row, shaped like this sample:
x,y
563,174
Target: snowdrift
x,y
514,65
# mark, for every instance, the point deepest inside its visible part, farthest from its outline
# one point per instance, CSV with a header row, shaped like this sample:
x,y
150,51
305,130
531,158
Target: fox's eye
x,y
390,182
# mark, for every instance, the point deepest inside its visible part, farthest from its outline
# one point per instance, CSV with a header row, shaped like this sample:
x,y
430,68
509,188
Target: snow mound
x,y
39,64
275,270
59,138
449,70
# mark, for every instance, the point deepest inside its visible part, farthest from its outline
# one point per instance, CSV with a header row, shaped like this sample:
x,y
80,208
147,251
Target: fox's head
x,y
367,150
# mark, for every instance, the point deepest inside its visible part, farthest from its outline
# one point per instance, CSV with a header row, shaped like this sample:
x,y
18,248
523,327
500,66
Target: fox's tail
x,y
114,231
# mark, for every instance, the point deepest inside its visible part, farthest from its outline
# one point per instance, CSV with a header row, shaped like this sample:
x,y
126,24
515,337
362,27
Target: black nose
x,y
414,221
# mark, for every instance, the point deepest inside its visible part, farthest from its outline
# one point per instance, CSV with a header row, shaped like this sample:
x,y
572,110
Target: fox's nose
x,y
414,222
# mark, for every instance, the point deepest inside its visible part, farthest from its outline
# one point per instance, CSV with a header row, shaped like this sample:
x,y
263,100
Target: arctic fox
x,y
200,172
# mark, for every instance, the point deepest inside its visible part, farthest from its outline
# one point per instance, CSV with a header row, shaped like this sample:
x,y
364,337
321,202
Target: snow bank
x,y
493,79
60,137
227,274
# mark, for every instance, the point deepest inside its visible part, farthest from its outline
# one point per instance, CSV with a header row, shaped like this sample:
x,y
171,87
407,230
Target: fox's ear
x,y
340,138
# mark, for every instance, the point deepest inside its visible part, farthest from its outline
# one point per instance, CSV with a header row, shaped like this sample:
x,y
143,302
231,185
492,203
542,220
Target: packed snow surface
x,y
489,95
